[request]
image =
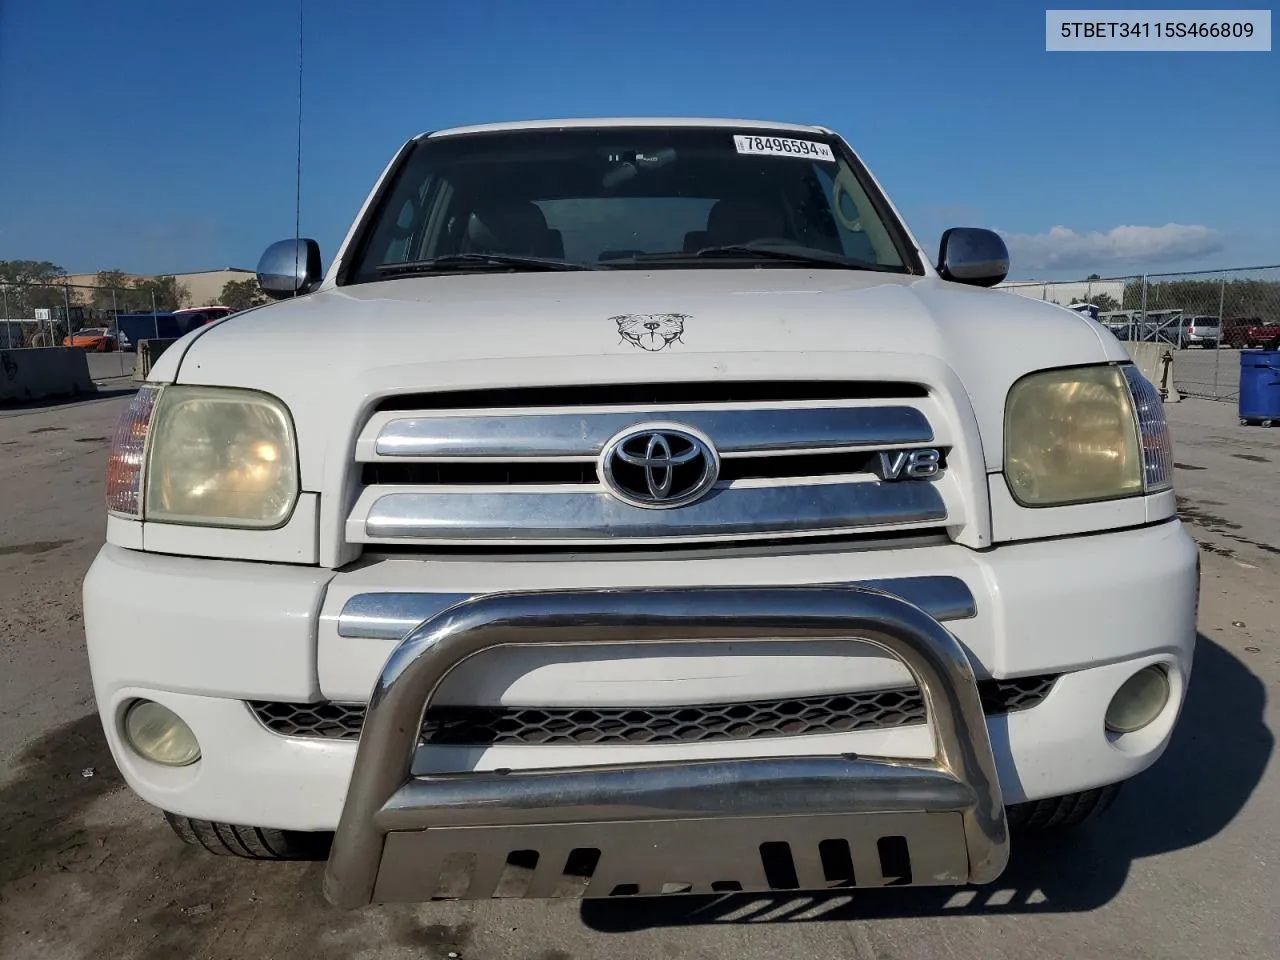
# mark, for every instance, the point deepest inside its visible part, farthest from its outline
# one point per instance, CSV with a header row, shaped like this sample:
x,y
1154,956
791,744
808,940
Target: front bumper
x,y
204,636
693,825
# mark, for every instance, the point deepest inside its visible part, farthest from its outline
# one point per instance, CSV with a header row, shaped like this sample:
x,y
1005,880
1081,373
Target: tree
x,y
1246,298
109,288
1093,276
31,285
30,271
241,294
1103,301
169,294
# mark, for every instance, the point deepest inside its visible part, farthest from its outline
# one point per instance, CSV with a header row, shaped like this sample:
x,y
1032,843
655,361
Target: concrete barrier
x,y
34,373
1155,362
148,353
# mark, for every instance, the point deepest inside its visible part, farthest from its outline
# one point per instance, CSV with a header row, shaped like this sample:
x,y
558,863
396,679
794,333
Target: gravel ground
x,y
1184,865
1208,373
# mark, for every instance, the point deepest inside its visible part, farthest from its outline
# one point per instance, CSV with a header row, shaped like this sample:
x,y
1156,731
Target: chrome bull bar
x,y
687,826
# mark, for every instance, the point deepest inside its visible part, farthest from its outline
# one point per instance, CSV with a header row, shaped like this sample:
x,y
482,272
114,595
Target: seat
x,y
517,228
739,220
555,244
695,240
858,246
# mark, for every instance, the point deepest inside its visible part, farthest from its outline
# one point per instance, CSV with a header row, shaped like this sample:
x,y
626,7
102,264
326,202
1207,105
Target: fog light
x,y
1139,700
160,735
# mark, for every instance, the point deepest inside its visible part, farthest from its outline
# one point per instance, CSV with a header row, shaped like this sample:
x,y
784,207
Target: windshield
x,y
618,198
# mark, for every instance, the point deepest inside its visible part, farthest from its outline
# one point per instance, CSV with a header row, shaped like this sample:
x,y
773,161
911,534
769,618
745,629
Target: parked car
x,y
636,506
97,339
1235,331
1203,332
1261,334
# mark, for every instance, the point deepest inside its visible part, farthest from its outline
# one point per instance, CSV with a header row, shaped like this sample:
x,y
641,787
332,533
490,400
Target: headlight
x,y
128,453
1085,434
220,457
1153,431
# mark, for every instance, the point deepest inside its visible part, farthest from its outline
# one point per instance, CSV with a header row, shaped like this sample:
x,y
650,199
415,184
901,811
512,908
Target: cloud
x,y
952,214
1063,247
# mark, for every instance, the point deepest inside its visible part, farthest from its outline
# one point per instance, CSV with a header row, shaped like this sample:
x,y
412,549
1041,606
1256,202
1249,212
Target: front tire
x,y
1060,813
249,843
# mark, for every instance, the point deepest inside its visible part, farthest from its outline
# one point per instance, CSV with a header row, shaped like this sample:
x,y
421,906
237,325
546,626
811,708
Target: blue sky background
x,y
159,136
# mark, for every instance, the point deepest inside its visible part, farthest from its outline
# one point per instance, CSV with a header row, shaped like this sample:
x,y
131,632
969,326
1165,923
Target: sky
x,y
159,137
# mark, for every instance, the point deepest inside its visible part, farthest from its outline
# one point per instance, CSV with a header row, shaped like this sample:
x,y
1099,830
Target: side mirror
x,y
289,268
974,256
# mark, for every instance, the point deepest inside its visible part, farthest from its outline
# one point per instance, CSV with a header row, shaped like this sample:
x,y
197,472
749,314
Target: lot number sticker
x,y
780,146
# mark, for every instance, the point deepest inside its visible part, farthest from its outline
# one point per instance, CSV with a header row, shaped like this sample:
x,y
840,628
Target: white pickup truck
x,y
634,508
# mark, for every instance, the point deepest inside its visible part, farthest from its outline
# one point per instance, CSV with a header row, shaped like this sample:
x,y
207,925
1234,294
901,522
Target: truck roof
x,y
587,122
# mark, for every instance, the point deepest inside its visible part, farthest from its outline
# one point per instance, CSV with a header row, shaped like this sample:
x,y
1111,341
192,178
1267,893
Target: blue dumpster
x,y
1260,385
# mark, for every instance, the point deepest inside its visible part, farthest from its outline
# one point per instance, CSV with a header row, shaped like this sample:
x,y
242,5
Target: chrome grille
x,y
590,516
701,723
794,460
745,432
516,472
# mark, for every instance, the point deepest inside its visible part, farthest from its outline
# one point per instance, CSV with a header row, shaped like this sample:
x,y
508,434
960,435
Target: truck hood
x,y
333,354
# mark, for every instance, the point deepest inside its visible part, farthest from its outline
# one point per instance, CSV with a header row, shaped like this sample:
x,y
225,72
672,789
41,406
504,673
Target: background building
x,y
1067,292
203,287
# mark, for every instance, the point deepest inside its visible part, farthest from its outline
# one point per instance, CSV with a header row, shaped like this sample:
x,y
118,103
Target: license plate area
x,y
666,857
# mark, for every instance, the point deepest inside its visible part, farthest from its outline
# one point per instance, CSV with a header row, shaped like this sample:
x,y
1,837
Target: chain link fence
x,y
41,314
1206,317
51,315
107,322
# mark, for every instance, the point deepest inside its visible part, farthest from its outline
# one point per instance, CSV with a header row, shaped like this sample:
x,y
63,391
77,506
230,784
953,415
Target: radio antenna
x,y
297,199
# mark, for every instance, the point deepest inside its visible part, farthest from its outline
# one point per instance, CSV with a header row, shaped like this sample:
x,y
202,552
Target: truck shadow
x,y
15,407
1221,730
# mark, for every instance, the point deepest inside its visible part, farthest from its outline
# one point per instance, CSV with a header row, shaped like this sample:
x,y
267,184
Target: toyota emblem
x,y
659,466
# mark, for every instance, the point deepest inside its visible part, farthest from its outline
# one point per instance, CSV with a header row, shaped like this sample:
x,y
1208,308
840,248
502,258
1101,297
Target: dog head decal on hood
x,y
651,331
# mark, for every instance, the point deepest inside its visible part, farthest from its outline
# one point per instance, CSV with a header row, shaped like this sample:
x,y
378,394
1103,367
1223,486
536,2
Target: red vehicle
x,y
97,339
1246,332
1261,334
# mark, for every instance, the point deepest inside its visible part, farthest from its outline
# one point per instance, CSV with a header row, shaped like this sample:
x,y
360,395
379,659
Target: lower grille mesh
x,y
746,720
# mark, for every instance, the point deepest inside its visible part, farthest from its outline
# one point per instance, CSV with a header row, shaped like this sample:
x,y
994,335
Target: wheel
x,y
251,843
1061,813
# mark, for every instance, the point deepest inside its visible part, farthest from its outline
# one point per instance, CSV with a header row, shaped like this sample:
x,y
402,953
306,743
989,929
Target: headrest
x,y
740,220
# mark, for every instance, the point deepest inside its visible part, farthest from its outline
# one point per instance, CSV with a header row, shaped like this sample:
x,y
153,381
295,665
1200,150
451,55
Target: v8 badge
x,y
921,464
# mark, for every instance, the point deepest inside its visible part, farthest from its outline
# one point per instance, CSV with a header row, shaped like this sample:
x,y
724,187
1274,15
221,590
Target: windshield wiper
x,y
805,255
453,261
